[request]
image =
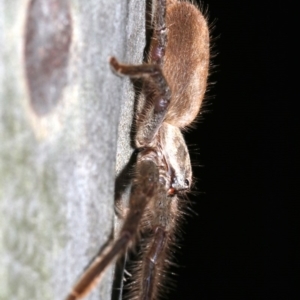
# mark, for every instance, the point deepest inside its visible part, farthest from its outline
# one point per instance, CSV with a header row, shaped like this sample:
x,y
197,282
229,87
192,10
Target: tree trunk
x,y
64,117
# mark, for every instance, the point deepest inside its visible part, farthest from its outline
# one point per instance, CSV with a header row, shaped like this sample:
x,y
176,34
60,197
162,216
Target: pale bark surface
x,y
58,138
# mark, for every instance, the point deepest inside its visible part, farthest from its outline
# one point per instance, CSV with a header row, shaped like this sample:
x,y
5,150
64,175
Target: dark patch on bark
x,y
47,42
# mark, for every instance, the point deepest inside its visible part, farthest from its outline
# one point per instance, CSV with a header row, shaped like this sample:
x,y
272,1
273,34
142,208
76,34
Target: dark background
x,y
241,244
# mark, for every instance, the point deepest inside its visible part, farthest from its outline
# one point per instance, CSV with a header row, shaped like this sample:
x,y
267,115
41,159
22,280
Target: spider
x,y
174,83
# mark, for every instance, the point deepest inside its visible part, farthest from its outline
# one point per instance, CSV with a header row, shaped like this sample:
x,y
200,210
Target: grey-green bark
x,y
58,165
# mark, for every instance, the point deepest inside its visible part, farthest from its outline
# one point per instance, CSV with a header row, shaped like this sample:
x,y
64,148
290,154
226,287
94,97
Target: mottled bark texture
x,y
62,112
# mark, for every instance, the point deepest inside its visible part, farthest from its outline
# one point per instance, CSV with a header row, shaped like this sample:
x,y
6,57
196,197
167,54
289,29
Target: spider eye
x,y
187,182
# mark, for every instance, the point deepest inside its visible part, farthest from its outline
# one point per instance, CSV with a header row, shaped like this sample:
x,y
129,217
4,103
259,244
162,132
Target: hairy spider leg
x,y
143,189
159,40
156,252
150,265
157,104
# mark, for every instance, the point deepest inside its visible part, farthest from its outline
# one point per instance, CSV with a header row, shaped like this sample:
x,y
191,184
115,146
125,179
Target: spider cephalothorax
x,y
174,83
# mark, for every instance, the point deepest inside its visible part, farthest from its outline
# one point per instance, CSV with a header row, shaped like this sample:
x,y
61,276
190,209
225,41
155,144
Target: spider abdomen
x,y
186,61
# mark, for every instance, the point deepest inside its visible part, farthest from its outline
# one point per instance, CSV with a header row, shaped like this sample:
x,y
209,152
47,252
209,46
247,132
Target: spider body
x,y
174,84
